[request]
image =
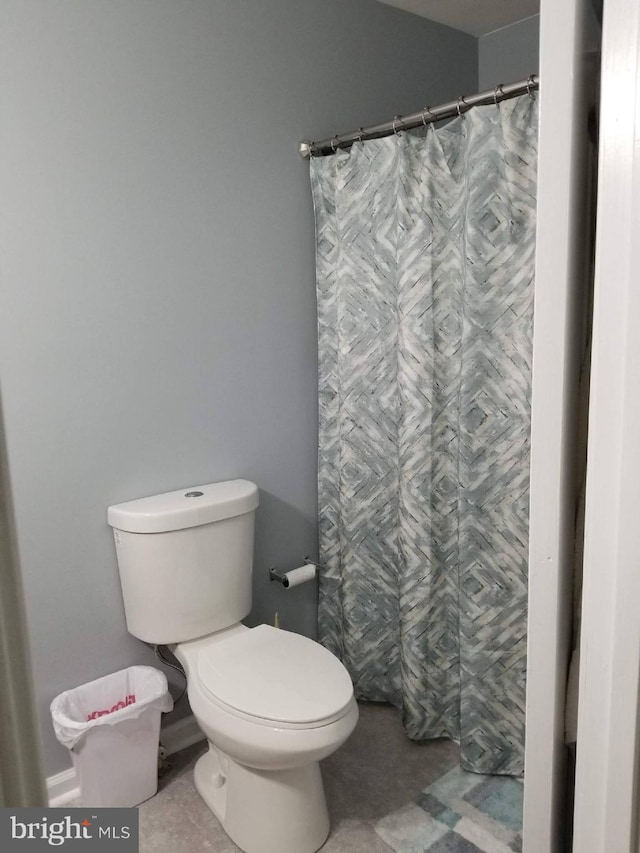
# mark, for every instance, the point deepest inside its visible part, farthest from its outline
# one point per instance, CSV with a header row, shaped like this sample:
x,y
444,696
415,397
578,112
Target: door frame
x,y
607,754
561,290
22,781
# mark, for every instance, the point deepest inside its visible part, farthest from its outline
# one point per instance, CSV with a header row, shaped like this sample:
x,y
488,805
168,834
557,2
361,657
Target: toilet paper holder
x,y
284,577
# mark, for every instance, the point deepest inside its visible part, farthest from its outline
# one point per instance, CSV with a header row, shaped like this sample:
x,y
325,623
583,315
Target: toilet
x,y
271,703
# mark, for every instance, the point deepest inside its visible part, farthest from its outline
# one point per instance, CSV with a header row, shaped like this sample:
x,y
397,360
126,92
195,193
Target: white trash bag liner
x,y
123,695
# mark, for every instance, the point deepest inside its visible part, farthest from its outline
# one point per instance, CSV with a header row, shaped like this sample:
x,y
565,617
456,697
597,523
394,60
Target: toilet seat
x,y
275,677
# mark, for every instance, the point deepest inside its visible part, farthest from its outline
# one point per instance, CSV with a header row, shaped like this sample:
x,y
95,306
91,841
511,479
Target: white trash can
x,y
112,727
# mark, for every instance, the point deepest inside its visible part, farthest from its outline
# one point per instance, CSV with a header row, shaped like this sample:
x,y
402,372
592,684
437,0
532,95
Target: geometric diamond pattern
x,y
459,813
425,267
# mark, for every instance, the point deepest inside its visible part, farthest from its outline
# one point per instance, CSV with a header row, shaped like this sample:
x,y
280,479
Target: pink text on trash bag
x,y
128,700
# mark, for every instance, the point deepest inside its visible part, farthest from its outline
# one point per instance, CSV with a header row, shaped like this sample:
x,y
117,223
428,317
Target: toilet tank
x,y
185,560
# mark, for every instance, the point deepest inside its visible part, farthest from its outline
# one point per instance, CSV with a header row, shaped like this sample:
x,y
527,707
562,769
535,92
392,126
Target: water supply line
x,y
177,667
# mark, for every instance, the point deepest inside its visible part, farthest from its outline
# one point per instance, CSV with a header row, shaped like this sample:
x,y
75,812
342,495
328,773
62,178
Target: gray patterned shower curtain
x,y
425,265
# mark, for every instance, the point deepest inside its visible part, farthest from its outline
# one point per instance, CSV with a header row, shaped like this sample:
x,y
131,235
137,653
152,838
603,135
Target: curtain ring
x,y
461,101
361,134
334,143
497,90
432,118
396,119
530,83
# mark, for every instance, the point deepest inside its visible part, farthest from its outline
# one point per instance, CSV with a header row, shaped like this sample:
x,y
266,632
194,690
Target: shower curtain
x,y
425,263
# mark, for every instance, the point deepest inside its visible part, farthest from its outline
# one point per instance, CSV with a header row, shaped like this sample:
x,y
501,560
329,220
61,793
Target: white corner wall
x,y
509,54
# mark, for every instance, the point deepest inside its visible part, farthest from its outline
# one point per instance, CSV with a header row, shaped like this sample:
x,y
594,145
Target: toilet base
x,y
262,811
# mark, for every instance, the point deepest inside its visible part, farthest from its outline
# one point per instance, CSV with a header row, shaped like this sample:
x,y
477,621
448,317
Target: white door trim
x,y
560,288
606,777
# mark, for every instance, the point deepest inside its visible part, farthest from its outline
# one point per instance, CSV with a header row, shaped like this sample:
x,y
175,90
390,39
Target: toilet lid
x,y
276,675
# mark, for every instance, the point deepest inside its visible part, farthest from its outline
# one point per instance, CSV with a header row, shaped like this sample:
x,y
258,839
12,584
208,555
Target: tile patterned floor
x,y
385,793
459,813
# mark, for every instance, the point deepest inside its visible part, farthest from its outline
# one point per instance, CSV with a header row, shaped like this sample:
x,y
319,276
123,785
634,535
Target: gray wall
x,y
157,322
509,54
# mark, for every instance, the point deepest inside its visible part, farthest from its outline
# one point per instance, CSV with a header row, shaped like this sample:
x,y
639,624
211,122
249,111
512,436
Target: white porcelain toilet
x,y
271,703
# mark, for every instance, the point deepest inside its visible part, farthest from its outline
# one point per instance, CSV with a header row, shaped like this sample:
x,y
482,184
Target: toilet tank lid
x,y
184,508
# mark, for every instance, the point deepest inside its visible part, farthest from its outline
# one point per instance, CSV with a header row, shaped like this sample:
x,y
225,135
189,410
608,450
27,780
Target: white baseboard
x,y
62,789
181,734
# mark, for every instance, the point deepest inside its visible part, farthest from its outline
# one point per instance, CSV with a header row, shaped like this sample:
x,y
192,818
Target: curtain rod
x,y
423,117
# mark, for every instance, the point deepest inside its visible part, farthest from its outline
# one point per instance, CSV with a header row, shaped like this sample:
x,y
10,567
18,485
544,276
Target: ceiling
x,y
477,17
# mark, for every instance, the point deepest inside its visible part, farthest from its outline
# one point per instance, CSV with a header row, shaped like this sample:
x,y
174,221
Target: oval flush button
x,y
193,494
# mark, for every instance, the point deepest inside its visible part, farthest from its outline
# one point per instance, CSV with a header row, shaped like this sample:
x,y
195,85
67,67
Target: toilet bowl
x,y
271,703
